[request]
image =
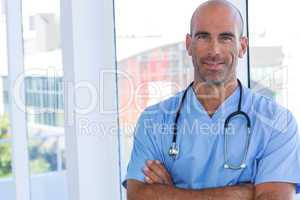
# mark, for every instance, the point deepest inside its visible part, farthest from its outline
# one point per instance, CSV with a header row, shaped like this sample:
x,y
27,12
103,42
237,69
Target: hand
x,y
155,173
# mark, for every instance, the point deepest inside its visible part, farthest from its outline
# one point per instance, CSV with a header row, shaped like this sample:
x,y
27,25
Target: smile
x,y
214,66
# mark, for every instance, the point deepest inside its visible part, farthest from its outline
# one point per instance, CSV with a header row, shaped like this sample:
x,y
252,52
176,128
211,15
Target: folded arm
x,y
143,191
159,186
275,191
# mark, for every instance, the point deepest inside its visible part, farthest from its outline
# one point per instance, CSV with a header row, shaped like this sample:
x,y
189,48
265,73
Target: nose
x,y
214,47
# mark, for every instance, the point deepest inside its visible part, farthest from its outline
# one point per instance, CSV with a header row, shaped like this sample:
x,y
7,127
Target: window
x,y
43,91
274,53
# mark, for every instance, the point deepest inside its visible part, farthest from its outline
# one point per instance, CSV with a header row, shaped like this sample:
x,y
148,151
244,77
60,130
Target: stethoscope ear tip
x,y
243,166
226,166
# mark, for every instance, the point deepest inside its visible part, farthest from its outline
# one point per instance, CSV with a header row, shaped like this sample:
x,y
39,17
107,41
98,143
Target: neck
x,y
211,95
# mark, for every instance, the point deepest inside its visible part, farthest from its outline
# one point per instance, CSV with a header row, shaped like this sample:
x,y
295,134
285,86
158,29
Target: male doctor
x,y
271,167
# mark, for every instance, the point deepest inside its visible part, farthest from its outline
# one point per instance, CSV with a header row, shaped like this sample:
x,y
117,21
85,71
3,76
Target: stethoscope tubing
x,y
174,149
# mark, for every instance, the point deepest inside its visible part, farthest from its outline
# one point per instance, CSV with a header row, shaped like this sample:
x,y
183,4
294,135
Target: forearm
x,y
270,196
165,192
274,196
275,191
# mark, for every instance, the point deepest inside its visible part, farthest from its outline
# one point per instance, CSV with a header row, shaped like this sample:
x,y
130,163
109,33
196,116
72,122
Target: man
x,y
272,162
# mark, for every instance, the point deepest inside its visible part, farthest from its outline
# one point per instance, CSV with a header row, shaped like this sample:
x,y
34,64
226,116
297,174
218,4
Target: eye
x,y
202,36
226,38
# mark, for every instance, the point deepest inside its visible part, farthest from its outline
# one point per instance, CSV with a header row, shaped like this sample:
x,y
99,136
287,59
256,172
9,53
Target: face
x,y
215,44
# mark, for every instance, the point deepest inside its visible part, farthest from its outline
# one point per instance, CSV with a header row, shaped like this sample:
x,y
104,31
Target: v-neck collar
x,y
228,106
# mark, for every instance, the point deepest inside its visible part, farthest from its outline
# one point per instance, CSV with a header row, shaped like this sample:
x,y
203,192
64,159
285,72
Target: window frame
x,y
17,114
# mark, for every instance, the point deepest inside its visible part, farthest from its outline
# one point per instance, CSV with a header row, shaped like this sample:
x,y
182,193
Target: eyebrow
x,y
201,33
228,34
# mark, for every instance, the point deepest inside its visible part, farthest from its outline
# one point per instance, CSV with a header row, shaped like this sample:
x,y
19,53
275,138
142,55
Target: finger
x,y
162,168
155,168
148,180
159,170
168,177
165,171
151,175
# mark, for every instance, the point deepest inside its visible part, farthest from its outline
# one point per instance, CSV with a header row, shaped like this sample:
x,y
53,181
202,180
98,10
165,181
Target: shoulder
x,y
267,111
163,108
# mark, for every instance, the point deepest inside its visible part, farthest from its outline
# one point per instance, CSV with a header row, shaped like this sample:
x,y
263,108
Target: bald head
x,y
215,4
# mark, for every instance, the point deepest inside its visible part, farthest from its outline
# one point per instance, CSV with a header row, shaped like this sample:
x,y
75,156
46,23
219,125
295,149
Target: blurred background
x,y
152,65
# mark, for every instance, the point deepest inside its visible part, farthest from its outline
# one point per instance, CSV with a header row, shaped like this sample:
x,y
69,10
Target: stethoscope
x,y
174,149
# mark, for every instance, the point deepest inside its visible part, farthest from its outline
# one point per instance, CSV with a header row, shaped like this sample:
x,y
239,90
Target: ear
x,y
188,44
243,46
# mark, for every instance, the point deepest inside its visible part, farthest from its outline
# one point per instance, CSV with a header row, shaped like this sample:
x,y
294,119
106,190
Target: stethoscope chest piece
x,y
174,151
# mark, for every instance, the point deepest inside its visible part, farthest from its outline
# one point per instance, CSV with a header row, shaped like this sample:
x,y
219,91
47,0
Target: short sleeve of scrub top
x,y
281,159
144,147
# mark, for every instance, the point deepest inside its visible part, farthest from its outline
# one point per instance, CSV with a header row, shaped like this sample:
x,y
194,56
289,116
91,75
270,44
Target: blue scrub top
x,y
273,155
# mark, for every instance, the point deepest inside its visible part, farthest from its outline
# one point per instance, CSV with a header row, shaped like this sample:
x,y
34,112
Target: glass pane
x,y
274,51
44,98
7,188
156,66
